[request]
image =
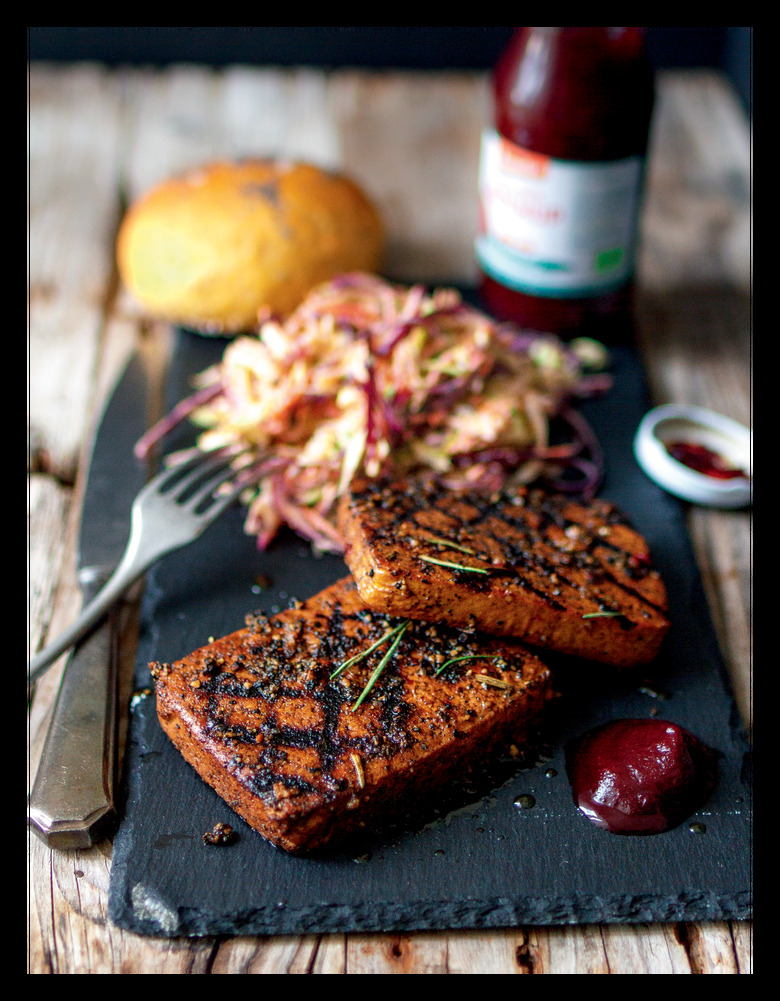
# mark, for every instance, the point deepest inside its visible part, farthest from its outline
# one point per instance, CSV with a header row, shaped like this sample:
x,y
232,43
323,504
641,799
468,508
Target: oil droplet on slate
x,y
138,697
525,802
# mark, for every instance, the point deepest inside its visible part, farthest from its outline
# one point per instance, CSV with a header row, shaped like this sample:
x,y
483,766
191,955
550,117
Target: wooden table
x,y
97,139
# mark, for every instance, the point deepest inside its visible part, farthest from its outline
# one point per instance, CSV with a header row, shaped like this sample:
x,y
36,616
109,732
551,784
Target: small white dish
x,y
671,423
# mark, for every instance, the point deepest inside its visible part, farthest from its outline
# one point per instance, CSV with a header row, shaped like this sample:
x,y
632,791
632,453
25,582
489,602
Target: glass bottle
x,y
561,178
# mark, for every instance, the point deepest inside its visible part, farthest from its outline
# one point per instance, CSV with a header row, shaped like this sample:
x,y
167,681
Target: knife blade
x,y
71,804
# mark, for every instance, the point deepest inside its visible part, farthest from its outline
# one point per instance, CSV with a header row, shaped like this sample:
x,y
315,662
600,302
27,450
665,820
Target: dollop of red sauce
x,y
640,776
703,460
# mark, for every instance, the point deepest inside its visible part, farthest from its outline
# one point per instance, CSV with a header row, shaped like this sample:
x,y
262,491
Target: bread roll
x,y
212,249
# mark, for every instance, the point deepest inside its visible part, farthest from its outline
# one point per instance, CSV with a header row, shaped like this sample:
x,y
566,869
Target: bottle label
x,y
556,228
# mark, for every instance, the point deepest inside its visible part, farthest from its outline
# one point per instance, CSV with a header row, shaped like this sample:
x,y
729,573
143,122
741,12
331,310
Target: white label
x,y
556,227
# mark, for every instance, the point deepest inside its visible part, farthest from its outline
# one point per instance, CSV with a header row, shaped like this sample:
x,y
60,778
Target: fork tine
x,y
156,530
179,479
209,490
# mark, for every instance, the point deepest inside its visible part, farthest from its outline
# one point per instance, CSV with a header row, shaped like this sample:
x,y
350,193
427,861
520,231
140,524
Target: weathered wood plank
x,y
414,144
75,124
696,225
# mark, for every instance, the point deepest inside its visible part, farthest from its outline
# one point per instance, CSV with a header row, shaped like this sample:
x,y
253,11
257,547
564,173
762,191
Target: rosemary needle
x,y
365,653
447,544
381,665
454,566
468,656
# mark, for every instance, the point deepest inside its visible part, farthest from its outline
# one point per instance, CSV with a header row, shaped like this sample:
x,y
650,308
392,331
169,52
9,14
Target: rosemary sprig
x,y
601,615
454,566
381,665
364,653
468,656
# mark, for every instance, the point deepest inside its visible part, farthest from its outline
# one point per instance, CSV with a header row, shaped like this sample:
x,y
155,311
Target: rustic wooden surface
x,y
97,139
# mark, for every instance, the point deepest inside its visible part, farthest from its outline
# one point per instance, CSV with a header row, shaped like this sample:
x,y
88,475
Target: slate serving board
x,y
488,863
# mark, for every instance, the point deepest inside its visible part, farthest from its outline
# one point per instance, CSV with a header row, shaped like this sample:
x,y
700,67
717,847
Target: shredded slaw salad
x,y
371,377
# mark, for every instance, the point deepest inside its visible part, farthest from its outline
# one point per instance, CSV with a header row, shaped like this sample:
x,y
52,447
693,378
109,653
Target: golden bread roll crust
x,y
213,248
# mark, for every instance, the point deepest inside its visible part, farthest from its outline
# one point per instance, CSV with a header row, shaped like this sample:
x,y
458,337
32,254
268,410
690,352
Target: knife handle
x,y
71,804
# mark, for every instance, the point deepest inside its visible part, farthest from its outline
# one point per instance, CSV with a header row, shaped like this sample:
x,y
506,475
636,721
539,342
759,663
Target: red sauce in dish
x,y
703,460
640,776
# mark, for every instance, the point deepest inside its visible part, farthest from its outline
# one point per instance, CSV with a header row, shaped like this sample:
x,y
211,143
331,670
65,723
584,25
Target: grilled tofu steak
x,y
276,718
566,575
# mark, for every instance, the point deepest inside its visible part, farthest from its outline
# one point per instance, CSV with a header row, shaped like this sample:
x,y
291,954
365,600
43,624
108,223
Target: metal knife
x,y
71,804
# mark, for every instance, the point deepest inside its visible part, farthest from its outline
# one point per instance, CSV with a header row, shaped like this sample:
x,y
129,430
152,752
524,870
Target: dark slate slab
x,y
487,863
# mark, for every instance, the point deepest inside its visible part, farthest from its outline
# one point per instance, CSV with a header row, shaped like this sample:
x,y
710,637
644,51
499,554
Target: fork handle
x,y
91,614
137,558
71,804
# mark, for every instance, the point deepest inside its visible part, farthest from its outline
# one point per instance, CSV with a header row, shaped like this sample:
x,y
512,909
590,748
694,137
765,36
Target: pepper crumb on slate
x,y
220,834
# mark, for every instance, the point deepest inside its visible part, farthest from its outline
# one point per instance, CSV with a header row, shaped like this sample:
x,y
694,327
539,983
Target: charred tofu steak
x,y
328,716
567,575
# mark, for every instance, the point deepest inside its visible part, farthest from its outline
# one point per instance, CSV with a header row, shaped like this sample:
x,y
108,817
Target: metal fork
x,y
173,509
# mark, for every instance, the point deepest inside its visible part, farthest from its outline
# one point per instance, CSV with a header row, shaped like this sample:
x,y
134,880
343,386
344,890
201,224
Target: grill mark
x,y
256,684
598,567
411,503
303,774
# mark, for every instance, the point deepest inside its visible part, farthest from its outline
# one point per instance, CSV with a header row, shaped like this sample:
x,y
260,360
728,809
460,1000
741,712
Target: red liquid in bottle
x,y
561,178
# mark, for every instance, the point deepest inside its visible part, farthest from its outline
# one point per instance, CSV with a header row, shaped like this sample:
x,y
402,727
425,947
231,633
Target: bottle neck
x,y
575,93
